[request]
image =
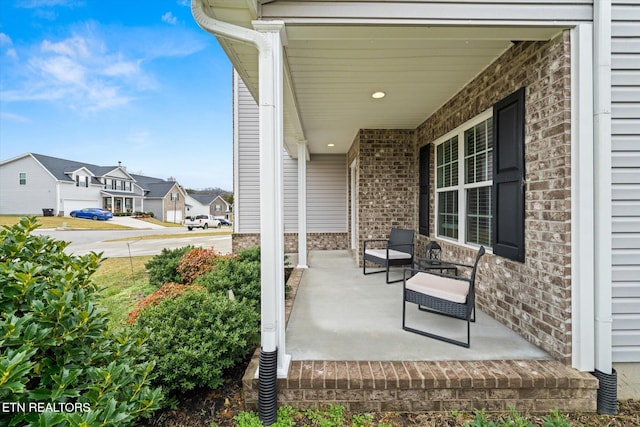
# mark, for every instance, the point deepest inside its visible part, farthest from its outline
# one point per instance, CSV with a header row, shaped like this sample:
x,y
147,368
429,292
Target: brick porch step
x,y
533,386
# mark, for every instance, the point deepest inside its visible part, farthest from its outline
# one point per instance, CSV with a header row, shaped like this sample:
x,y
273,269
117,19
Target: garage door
x,y
174,216
71,205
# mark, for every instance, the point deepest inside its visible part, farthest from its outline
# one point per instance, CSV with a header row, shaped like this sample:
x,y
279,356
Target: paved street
x,y
128,242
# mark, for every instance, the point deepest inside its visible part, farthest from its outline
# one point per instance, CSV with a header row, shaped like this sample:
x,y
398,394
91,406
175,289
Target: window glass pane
x,y
478,157
479,216
447,163
448,214
23,178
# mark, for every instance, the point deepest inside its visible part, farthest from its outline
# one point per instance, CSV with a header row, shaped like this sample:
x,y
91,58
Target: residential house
x,y
165,198
514,125
32,182
208,204
197,204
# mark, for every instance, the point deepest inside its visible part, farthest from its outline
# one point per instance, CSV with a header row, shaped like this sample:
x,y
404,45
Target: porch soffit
x,y
331,70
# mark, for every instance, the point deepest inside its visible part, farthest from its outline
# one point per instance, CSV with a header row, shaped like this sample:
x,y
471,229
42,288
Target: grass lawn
x,y
59,222
124,281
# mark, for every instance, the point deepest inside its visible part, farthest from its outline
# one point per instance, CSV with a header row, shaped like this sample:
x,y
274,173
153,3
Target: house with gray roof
x,y
31,183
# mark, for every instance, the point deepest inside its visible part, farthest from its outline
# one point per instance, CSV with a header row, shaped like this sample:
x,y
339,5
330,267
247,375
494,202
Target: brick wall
x,y
315,241
532,298
387,182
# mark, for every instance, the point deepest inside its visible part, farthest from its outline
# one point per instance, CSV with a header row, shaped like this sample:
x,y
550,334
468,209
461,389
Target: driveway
x,y
135,223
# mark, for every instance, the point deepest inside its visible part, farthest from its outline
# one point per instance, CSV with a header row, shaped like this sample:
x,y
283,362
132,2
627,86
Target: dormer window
x,y
82,181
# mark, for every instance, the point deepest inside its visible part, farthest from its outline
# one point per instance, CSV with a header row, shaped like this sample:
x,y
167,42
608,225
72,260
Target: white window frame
x,y
461,186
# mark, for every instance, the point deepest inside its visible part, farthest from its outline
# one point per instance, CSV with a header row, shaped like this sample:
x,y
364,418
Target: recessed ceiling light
x,y
378,95
331,145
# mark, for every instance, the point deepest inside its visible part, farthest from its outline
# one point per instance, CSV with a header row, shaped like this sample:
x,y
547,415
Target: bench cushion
x,y
439,287
382,254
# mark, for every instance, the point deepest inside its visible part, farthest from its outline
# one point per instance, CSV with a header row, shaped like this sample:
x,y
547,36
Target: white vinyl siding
x,y
326,180
327,193
39,191
247,191
625,140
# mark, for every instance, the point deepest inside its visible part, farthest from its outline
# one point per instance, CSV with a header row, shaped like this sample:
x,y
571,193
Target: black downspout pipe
x,y
607,392
268,387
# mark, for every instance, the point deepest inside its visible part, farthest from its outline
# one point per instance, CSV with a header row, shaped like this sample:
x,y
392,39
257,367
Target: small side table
x,y
426,264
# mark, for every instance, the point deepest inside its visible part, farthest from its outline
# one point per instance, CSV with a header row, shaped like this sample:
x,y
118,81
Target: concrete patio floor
x,y
347,345
341,314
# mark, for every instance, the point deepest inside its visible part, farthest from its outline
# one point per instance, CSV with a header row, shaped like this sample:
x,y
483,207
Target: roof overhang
x,y
333,66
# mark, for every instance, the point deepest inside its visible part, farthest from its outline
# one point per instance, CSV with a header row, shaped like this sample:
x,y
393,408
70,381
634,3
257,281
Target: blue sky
x,y
102,81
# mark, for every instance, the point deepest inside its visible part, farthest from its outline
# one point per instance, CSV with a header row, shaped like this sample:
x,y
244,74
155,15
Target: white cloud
x,y
35,4
169,18
14,117
61,69
73,47
123,68
95,68
5,40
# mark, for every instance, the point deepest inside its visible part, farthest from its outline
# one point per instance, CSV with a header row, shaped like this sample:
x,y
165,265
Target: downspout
x,y
607,393
271,224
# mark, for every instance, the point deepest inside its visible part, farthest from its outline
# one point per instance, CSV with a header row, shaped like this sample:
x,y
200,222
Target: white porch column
x,y
271,187
302,204
602,181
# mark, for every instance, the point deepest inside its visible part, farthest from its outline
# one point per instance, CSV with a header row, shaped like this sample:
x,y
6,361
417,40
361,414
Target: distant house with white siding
x,y
514,125
208,204
32,182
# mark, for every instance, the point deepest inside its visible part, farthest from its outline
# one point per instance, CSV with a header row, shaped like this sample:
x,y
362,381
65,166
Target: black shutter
x,y
508,176
423,202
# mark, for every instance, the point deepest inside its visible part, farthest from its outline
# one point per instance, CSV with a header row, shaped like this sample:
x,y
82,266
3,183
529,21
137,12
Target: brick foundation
x,y
315,241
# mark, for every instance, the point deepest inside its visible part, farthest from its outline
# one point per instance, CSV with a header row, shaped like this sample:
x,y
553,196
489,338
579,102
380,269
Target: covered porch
x,y
347,347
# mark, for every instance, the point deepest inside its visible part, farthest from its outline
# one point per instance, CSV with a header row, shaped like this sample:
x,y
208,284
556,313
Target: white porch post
x,y
602,195
302,204
582,199
271,205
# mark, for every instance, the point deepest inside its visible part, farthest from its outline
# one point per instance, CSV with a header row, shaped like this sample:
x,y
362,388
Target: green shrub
x,y
55,347
251,254
238,274
197,336
163,268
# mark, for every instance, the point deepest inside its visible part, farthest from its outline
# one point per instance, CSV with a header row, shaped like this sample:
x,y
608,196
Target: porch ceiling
x,y
332,69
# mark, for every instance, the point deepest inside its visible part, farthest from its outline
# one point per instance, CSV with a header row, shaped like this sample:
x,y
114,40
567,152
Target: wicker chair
x,y
440,293
397,251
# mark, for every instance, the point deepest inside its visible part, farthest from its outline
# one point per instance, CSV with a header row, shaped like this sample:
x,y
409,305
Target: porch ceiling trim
x,y
333,64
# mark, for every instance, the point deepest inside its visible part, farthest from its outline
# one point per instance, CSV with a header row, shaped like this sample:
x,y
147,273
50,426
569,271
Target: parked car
x,y
92,213
202,221
224,221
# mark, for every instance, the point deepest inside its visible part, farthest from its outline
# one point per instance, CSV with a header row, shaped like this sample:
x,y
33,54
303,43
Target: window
x,y
82,181
464,173
108,184
22,178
